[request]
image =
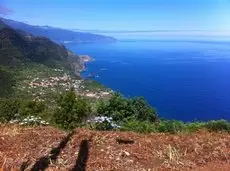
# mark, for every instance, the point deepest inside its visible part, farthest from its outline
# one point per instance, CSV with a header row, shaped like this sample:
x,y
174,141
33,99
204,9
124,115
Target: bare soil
x,y
47,148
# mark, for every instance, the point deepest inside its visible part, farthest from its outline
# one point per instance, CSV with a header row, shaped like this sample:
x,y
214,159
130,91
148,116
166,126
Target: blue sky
x,y
122,14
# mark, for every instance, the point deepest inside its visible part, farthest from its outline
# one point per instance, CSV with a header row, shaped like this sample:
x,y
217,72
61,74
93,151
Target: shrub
x,y
138,126
31,108
174,126
164,126
71,110
142,110
171,126
194,126
9,108
17,110
221,125
122,109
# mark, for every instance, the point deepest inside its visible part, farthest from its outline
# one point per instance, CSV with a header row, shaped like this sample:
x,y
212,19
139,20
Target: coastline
x,y
85,59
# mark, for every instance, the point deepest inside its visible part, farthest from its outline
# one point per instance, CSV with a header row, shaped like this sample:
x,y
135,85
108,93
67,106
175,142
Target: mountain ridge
x,y
58,35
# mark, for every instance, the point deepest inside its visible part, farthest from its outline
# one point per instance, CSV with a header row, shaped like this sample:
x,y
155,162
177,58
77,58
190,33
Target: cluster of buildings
x,y
97,95
64,81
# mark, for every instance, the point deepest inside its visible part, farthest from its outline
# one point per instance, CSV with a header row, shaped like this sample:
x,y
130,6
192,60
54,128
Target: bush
x,y
16,110
31,108
71,110
171,126
9,108
138,126
221,125
194,126
142,110
103,126
147,127
122,109
164,126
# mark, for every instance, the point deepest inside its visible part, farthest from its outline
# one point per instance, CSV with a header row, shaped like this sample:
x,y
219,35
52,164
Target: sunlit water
x,y
182,80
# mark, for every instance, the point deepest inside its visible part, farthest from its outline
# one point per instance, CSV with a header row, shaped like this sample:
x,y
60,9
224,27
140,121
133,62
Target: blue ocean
x,y
184,80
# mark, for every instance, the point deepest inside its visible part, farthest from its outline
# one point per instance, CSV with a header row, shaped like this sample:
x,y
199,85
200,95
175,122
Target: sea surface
x,y
184,80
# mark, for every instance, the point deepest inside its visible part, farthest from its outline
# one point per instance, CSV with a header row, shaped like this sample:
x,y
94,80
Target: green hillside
x,y
23,56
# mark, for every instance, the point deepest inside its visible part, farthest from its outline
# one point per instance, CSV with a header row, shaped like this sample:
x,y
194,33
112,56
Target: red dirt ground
x,y
29,148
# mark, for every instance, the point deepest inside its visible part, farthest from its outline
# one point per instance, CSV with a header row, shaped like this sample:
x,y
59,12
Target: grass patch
x,y
173,126
93,85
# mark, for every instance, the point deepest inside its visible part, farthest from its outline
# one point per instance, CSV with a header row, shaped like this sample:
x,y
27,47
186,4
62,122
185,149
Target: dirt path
x,y
42,148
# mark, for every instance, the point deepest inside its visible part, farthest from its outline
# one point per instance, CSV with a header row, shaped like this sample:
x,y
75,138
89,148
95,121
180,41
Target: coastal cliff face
x,y
84,59
76,63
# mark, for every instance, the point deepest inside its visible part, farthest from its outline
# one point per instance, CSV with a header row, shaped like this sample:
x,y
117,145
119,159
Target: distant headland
x,y
86,58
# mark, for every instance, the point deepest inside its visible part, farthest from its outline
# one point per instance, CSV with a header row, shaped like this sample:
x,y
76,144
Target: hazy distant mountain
x,y
57,34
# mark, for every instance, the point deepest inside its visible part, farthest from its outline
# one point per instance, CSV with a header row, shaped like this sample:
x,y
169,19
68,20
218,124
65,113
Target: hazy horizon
x,y
152,34
127,19
122,15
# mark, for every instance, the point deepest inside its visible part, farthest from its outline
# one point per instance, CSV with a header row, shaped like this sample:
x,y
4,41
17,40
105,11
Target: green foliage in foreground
x,y
31,108
8,109
138,126
15,109
129,114
122,109
220,125
71,110
103,126
173,126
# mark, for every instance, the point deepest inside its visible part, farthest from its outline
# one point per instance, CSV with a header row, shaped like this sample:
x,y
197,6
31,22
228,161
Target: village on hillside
x,y
64,82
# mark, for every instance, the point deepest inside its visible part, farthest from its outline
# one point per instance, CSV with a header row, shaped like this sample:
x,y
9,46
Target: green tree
x,y
171,126
9,108
143,111
71,110
31,108
7,82
122,109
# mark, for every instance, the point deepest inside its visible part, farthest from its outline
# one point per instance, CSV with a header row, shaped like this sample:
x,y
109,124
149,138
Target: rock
x,y
124,141
124,154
